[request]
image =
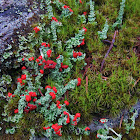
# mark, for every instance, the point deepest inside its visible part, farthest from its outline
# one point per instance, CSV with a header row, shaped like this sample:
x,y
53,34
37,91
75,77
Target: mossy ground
x,y
98,97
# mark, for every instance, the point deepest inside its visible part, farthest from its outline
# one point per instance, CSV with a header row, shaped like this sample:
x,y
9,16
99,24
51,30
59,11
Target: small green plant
x,y
102,35
91,16
29,85
44,102
120,16
4,82
128,125
103,134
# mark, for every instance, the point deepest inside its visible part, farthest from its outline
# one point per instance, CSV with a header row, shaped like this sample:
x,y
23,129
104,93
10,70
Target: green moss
x,y
104,97
12,105
30,121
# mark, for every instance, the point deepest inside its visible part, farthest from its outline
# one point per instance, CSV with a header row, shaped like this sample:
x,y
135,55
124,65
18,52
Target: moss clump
x,y
27,122
30,121
104,97
12,105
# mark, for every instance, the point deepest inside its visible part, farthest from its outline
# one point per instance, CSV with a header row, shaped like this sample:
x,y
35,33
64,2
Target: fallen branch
x,y
108,42
105,78
86,84
129,93
40,92
121,121
136,82
111,46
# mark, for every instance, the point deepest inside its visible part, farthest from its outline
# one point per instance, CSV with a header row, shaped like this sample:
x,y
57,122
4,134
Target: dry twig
x,y
86,84
111,46
121,121
40,92
136,82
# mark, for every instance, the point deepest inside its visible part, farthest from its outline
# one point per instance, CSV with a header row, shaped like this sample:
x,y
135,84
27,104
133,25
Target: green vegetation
x,y
101,93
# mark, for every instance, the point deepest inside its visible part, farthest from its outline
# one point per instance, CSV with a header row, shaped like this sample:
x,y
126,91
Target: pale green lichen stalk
x,y
120,16
103,134
91,16
129,126
103,34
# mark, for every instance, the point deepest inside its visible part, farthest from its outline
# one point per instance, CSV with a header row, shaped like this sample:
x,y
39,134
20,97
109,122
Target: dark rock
x,y
114,122
14,15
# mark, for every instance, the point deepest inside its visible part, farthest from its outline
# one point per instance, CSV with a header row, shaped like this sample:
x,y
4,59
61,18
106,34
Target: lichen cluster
x,y
65,45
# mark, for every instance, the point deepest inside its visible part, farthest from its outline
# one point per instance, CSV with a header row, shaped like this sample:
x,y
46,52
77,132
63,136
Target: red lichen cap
x,y
84,13
80,1
75,123
31,58
83,42
44,61
58,57
54,18
16,111
40,64
49,53
54,89
79,54
36,29
41,71
32,107
58,102
65,6
75,54
85,29
59,107
79,82
87,128
44,44
19,80
58,133
23,77
48,45
56,127
23,68
50,64
40,57
66,102
68,120
78,115
37,60
48,87
70,10
9,94
33,94
53,95
34,99
64,66
65,113
103,120
60,69
44,128
28,98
